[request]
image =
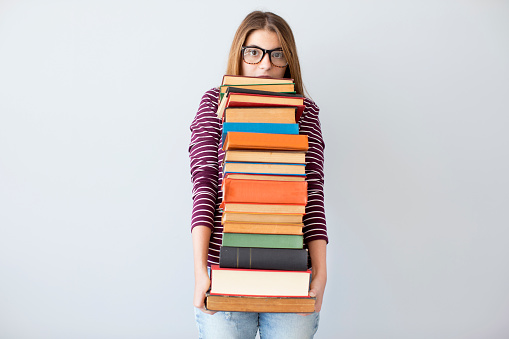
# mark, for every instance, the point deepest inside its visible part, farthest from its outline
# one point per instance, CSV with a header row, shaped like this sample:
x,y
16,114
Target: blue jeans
x,y
244,325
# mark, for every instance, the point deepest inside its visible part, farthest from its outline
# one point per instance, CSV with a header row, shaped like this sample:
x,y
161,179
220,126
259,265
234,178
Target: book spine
x,y
263,258
263,240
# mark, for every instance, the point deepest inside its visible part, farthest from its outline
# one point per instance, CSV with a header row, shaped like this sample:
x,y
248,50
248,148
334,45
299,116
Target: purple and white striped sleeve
x,y
314,220
203,153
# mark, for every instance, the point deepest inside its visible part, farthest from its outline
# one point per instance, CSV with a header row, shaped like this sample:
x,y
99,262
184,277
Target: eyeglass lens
x,y
254,55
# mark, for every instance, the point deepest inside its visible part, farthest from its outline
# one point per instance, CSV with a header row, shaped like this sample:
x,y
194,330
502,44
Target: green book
x,y
263,240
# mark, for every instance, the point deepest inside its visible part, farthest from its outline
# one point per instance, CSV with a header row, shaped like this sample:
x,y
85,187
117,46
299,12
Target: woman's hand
x,y
316,289
201,286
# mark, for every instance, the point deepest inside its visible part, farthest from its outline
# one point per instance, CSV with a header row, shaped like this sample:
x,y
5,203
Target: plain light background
x,y
96,98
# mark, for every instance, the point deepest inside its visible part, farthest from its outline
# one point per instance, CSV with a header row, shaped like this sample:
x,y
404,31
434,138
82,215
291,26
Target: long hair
x,y
272,22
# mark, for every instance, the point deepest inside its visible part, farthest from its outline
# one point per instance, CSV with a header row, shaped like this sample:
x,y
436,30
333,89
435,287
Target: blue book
x,y
259,128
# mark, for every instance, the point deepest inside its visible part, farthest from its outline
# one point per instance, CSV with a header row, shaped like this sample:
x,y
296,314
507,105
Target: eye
x,y
252,52
278,54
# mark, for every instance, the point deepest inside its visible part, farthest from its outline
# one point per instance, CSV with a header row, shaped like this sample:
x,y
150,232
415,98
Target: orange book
x,y
264,191
262,218
239,227
265,141
264,177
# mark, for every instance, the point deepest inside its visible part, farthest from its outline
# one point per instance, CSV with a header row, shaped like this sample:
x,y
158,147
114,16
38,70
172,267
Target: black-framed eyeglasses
x,y
254,55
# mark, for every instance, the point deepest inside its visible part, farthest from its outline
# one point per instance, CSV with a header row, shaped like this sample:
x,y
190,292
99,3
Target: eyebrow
x,y
255,46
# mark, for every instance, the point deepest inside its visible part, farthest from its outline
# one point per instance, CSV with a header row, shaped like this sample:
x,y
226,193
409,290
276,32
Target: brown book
x,y
295,219
290,157
264,208
265,141
244,176
264,168
260,304
235,227
281,115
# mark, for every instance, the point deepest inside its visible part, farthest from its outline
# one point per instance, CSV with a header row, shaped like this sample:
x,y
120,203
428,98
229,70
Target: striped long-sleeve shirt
x,y
206,157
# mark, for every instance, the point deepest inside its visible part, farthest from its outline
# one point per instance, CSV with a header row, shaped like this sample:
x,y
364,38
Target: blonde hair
x,y
274,23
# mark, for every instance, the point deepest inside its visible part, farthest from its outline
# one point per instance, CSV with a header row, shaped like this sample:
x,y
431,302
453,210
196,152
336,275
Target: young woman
x,y
263,46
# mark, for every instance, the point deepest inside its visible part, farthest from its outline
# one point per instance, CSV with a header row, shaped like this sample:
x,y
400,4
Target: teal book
x,y
263,240
259,128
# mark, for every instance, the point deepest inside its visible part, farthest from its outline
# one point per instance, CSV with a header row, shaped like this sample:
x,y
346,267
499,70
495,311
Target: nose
x,y
265,62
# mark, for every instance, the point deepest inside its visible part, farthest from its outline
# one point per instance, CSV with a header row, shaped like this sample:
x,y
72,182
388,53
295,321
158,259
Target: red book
x,y
239,97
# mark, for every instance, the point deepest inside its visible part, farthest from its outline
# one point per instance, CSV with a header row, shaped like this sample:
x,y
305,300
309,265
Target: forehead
x,y
263,38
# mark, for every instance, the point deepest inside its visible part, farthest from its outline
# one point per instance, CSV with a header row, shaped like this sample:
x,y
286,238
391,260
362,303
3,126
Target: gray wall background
x,y
96,98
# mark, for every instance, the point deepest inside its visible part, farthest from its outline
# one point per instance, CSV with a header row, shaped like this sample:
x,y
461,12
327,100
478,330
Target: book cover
x,y
263,240
265,141
263,258
289,157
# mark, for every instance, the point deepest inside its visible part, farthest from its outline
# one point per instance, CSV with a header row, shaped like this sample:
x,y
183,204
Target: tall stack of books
x,y
262,266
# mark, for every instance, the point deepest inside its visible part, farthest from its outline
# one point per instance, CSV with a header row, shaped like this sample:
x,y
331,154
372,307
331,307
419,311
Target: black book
x,y
255,91
263,258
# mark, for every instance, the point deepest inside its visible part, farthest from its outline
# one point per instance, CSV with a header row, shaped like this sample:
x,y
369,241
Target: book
x,y
243,176
263,240
264,191
246,80
283,88
255,228
264,208
250,282
264,168
260,304
259,128
281,115
265,141
240,97
290,157
262,218
263,258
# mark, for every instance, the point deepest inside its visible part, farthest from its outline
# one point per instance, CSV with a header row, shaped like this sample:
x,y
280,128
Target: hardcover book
x,y
263,240
264,191
242,176
265,141
239,97
289,157
260,304
262,218
250,282
263,258
264,208
264,168
257,228
259,128
281,115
